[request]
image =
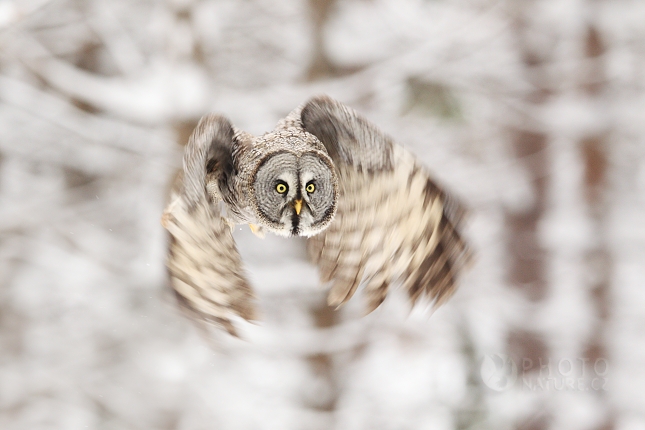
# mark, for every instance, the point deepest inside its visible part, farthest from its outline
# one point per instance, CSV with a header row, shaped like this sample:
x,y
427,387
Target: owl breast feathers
x,y
372,214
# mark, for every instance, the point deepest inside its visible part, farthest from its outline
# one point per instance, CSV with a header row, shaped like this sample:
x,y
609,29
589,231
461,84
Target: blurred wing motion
x,y
393,225
204,264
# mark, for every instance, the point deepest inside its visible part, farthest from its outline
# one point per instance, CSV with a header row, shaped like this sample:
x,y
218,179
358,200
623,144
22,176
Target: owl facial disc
x,y
295,194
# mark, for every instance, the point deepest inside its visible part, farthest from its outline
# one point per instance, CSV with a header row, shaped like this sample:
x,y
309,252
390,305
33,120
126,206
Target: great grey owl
x,y
372,214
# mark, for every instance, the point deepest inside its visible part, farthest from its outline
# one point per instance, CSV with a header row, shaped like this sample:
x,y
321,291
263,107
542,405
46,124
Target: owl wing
x,y
204,265
393,225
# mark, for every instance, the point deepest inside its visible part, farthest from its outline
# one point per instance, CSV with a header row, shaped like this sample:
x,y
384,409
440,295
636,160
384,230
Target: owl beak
x,y
297,205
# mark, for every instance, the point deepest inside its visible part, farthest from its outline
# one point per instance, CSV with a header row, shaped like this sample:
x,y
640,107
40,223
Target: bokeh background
x,y
532,111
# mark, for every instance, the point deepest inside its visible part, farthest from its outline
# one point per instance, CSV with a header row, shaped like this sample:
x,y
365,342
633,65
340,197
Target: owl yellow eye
x,y
310,188
281,188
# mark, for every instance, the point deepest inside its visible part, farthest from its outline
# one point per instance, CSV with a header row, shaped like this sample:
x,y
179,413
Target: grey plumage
x,y
205,267
373,214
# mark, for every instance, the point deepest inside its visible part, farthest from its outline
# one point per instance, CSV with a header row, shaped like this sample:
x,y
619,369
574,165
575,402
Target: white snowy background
x,y
532,111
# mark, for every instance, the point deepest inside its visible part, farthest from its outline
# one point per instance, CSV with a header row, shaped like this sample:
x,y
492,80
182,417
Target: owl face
x,y
295,194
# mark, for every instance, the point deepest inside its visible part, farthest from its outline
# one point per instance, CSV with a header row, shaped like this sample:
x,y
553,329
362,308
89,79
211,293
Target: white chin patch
x,y
283,233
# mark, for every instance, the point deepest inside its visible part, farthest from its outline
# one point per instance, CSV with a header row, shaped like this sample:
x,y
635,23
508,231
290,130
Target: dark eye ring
x,y
281,188
310,188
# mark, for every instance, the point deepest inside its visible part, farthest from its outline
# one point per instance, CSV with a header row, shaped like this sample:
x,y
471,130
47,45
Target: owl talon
x,y
257,230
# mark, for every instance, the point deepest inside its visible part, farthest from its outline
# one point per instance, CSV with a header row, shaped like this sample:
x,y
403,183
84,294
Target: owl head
x,y
294,186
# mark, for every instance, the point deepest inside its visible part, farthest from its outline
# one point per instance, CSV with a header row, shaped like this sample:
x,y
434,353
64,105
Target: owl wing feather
x,y
205,267
393,225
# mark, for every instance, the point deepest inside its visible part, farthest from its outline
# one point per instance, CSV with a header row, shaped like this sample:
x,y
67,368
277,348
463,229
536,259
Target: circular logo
x,y
498,371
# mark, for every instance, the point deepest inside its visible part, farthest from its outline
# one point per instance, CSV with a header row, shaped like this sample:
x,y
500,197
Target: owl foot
x,y
257,230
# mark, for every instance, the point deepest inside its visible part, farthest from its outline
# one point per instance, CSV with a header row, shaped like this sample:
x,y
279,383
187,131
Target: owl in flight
x,y
372,214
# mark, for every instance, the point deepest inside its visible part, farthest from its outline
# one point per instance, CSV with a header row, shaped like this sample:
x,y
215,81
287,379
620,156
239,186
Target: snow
x,y
95,100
